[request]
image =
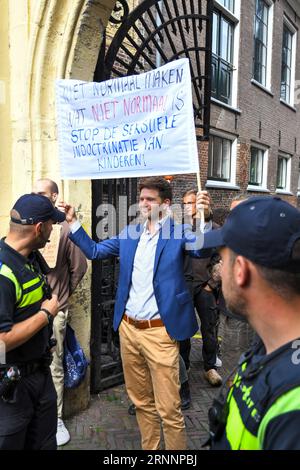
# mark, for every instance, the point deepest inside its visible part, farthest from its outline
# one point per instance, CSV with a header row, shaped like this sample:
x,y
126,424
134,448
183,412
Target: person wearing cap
x,y
28,414
63,278
153,309
260,250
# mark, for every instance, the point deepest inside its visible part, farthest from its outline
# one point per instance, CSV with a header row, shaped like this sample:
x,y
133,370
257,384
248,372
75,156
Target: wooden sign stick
x,y
201,211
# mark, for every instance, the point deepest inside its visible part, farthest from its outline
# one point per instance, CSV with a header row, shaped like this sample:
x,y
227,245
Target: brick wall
x,y
258,110
260,116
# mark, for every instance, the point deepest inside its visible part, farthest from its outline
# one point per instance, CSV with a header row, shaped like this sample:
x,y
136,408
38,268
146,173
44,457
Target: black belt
x,y
24,369
29,368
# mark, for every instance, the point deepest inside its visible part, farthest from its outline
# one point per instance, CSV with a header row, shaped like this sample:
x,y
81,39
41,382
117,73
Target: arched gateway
x,y
154,33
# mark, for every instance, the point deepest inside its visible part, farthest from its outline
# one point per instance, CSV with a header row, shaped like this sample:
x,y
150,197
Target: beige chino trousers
x,y
151,369
57,369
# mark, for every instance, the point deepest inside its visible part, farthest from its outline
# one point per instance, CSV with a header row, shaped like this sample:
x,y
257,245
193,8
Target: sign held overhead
x,y
140,125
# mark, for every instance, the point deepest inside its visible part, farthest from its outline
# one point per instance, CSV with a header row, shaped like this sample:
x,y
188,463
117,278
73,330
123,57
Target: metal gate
x,y
154,33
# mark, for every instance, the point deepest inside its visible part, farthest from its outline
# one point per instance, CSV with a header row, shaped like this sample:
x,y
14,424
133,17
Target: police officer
x,y
28,416
63,278
260,249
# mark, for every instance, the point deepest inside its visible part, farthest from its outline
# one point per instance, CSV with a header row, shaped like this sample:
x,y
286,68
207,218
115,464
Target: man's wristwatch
x,y
49,316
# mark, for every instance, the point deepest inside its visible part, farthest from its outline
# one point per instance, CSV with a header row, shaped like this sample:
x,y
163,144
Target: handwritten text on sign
x,y
133,126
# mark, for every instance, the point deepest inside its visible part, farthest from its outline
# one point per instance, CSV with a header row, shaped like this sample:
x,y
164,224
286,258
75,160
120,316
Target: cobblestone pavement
x,y
107,425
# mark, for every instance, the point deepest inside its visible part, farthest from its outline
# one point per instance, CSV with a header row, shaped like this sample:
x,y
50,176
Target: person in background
x,y
219,216
70,268
203,287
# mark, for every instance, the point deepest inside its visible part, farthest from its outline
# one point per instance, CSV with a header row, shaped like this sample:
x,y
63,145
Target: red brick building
x,y
254,143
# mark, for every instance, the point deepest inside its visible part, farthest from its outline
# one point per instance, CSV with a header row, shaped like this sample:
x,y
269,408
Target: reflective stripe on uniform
x,y
290,401
7,272
34,288
237,434
31,283
32,297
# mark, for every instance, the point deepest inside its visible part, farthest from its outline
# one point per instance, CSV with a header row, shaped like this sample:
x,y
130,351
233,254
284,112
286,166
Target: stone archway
x,y
43,40
65,43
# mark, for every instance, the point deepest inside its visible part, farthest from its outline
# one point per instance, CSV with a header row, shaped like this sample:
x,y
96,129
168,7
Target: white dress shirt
x,y
141,303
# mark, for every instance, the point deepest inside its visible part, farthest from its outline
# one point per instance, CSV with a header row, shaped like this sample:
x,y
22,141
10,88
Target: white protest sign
x,y
134,126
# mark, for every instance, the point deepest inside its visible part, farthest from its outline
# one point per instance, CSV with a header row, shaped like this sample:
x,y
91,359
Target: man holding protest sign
x,y
153,308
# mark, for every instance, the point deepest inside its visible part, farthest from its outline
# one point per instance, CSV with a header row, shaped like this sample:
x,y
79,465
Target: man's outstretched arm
x,y
89,247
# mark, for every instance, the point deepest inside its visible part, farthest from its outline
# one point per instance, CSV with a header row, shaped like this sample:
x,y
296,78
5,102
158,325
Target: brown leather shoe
x,y
213,377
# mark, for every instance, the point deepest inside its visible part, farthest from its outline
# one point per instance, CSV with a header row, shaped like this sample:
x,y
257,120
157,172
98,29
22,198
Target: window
x,y
222,57
229,4
283,173
262,43
288,63
219,164
258,169
256,166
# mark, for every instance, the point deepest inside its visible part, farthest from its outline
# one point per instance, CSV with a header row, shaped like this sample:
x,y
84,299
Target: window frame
x,y
268,64
232,68
232,10
264,185
287,188
293,31
231,181
219,63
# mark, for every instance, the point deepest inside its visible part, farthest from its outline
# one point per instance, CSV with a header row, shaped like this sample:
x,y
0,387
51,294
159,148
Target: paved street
x,y
107,424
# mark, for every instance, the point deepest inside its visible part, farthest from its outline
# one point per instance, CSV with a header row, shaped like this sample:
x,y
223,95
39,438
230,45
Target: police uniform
x,y
262,409
28,411
29,419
